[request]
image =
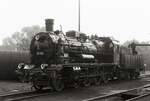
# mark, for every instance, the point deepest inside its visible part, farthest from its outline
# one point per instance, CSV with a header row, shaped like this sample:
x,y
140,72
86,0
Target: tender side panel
x,y
131,61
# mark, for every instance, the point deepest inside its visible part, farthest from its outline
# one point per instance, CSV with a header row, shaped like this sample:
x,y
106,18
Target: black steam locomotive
x,y
73,59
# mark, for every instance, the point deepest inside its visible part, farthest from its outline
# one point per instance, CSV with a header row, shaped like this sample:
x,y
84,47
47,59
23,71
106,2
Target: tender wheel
x,y
137,75
57,84
105,80
97,81
132,75
128,76
121,76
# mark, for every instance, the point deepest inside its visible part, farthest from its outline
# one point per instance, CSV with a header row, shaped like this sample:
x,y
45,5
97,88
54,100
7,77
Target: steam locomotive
x,y
60,60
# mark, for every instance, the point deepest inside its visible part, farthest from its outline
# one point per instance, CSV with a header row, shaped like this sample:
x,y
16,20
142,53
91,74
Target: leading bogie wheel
x,y
86,82
38,87
36,84
137,75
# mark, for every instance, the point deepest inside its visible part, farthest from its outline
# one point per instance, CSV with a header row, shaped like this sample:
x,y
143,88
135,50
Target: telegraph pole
x,y
79,15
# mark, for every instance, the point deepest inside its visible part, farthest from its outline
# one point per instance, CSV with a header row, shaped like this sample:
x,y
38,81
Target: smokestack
x,y
49,24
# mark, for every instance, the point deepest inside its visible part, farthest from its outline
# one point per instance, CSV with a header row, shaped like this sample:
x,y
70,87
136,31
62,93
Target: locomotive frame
x,y
79,74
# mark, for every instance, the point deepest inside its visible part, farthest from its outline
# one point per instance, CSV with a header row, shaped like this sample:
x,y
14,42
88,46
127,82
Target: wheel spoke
x,y
57,84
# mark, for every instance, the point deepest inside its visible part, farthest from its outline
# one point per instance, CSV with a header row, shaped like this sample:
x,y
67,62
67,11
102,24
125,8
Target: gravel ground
x,y
12,87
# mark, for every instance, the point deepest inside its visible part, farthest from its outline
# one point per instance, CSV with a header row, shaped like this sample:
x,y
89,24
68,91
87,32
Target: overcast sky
x,y
122,19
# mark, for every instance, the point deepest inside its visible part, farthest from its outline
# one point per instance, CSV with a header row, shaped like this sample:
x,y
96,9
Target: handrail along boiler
x,y
73,59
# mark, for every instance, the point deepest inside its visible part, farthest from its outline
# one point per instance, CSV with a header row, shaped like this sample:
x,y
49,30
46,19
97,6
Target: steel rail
x,y
118,94
139,98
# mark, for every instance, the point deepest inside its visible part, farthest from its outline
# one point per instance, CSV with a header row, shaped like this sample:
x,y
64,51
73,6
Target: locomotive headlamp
x,y
21,65
75,68
37,37
43,66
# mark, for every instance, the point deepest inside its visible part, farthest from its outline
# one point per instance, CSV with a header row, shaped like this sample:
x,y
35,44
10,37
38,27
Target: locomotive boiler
x,y
60,60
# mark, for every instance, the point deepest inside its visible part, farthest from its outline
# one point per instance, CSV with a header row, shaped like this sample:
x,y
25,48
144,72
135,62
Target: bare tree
x,y
20,41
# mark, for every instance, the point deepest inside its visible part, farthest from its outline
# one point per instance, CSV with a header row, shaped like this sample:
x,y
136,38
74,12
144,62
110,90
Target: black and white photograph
x,y
74,50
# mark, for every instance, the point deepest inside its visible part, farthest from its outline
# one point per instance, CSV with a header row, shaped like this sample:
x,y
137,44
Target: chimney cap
x,y
49,24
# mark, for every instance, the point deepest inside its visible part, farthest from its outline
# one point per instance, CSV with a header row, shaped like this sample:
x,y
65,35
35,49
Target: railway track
x,y
23,95
32,94
136,94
